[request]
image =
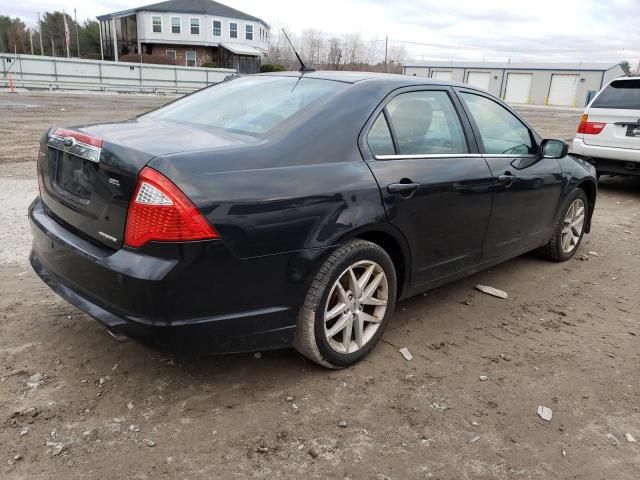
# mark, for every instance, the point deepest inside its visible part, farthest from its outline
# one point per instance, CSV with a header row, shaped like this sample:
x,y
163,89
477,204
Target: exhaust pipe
x,y
631,166
118,336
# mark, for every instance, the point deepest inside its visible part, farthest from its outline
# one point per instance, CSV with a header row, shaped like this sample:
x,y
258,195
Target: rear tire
x,y
569,229
348,305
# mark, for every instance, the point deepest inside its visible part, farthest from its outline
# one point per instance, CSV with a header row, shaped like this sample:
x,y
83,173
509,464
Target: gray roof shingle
x,y
202,7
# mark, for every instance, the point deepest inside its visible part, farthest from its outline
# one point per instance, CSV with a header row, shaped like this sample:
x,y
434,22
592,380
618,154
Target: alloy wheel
x,y
573,225
356,306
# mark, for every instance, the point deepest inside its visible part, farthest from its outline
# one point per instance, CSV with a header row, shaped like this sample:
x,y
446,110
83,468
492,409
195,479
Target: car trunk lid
x,y
88,175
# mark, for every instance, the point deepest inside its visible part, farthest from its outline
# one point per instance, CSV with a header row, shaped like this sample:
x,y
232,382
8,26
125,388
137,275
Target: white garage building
x,y
563,84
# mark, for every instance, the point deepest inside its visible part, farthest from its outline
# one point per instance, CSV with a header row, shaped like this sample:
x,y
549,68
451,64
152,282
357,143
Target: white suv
x,y
609,133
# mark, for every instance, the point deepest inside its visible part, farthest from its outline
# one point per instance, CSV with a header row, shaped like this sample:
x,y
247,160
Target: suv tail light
x,y
160,211
590,128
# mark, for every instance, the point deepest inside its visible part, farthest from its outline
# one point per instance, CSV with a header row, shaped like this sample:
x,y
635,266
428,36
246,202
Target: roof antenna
x,y
303,67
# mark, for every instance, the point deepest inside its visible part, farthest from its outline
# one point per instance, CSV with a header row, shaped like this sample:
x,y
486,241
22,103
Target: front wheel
x,y
348,305
569,228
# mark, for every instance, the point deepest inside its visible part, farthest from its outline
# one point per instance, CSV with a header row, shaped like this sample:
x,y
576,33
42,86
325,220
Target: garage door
x,y
563,90
518,87
479,79
441,74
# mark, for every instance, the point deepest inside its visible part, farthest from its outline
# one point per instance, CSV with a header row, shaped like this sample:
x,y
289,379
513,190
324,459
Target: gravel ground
x,y
27,115
75,404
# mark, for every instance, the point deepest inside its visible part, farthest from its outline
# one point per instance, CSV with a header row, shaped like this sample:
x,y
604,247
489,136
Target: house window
x,y
176,24
248,32
195,26
171,55
191,58
217,28
156,24
233,30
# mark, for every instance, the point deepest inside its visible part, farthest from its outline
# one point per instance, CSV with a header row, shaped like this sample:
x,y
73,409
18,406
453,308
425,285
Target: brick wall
x,y
203,54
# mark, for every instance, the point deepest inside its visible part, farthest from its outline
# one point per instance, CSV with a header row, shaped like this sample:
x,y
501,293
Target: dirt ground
x,y
76,404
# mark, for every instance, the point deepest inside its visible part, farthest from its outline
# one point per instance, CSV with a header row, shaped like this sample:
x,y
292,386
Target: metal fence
x,y
35,71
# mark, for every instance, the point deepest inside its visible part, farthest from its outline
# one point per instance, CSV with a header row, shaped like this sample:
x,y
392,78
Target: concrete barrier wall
x,y
35,71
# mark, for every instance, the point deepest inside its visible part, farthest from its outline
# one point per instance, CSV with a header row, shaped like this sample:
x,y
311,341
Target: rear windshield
x,y
623,94
249,105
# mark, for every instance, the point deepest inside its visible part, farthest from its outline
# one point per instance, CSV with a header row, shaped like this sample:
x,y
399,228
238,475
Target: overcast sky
x,y
482,29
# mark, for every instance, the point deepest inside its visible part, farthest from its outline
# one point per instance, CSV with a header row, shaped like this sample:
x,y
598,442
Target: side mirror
x,y
553,148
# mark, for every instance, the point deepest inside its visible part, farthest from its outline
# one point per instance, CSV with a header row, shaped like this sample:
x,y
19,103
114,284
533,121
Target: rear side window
x,y
501,131
426,123
623,94
249,105
379,138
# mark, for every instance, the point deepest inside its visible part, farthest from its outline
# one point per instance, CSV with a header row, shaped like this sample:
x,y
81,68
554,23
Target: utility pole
x,y
386,52
75,19
115,40
67,34
40,33
101,48
31,40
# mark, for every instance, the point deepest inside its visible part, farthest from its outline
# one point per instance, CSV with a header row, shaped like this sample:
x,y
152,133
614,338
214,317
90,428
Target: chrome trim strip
x,y
506,155
431,155
79,149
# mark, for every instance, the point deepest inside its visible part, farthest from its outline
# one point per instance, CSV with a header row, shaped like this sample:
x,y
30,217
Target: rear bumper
x,y
609,159
195,296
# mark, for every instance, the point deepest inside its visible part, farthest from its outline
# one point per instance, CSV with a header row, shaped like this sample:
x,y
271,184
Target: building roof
x,y
202,7
582,66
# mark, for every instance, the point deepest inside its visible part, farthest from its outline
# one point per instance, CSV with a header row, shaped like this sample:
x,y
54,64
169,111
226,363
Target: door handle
x,y
506,179
403,188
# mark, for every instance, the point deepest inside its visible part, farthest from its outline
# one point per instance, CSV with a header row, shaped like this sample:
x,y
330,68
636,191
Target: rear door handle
x,y
403,188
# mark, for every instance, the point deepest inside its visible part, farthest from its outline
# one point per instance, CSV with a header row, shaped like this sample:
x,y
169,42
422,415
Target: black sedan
x,y
295,209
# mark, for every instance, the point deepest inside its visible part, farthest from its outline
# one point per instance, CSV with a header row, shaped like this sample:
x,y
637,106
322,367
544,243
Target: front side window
x,y
217,28
195,26
156,23
191,58
500,130
248,32
250,105
176,25
426,123
233,30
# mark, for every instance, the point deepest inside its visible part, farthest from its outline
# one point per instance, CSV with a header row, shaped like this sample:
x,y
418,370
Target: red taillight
x,y
80,137
590,128
159,211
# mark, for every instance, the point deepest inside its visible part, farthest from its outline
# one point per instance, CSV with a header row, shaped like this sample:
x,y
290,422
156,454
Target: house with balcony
x,y
187,32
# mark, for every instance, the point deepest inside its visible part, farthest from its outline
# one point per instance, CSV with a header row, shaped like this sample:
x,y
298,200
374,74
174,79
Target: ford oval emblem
x,y
69,141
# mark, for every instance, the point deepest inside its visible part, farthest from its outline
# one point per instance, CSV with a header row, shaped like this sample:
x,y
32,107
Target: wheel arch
x,y
394,243
590,189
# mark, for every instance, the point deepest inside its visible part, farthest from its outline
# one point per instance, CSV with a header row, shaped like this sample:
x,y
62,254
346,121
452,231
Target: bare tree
x,y
311,43
335,53
280,52
338,52
353,48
